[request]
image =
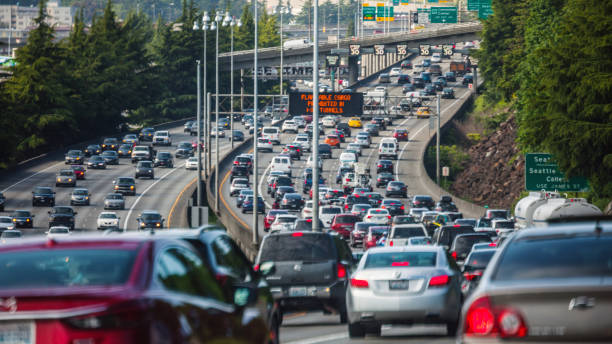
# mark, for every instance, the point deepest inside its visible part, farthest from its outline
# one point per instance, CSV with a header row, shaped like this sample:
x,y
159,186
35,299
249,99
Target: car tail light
x,y
402,207
454,254
369,216
382,207
472,275
439,281
297,234
483,320
391,243
359,283
341,271
388,216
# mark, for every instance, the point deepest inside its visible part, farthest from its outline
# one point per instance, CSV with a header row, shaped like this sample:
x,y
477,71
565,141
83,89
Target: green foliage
x,y
451,156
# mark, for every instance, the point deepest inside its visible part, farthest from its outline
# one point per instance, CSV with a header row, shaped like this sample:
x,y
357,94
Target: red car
x,y
79,171
307,118
400,134
271,216
343,224
114,289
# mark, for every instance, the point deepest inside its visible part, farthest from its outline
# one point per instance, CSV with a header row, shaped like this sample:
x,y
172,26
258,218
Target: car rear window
x,y
556,258
65,268
400,259
347,219
407,232
448,234
295,247
480,259
465,243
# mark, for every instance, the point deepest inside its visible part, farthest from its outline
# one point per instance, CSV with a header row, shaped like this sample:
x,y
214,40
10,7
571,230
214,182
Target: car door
x,y
203,313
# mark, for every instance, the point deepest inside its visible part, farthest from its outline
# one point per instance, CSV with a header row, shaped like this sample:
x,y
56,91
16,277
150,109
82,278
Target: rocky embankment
x,y
495,173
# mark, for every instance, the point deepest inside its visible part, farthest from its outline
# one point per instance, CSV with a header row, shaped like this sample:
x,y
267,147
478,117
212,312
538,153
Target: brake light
x,y
359,283
341,271
493,244
456,225
472,275
454,254
402,207
479,319
400,264
256,268
439,281
379,166
369,216
388,216
391,244
297,234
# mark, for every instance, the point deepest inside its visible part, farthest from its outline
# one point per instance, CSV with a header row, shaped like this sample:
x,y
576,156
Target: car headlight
x,y
131,187
59,180
116,187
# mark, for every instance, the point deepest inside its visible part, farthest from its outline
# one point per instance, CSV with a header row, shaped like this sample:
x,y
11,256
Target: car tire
x,y
356,330
451,328
343,313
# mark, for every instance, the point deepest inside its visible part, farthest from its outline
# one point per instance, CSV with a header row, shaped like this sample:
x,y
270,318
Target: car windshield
x,y
59,230
504,224
163,155
51,268
7,235
62,210
297,248
66,173
480,259
114,196
331,210
484,223
347,219
184,145
108,216
400,259
150,217
125,180
556,258
109,153
500,214
285,219
407,232
41,190
145,164
404,219
81,192
21,213
464,243
74,153
5,219
466,222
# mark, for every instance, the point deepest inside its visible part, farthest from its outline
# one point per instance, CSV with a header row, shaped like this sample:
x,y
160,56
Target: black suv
x,y
144,169
309,270
325,151
74,156
110,143
445,235
239,171
125,186
2,201
150,219
62,216
43,195
146,134
164,159
345,128
384,166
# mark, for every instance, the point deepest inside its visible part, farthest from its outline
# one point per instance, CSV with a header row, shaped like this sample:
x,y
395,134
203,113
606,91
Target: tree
x,y
567,108
36,94
268,31
350,30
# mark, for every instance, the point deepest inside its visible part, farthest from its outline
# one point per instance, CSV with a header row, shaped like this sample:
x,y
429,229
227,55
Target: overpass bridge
x,y
372,53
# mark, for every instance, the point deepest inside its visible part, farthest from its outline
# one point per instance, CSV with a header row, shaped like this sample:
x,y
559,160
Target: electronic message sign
x,y
333,103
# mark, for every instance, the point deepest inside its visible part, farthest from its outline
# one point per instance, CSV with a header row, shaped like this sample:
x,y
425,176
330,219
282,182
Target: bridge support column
x,y
353,69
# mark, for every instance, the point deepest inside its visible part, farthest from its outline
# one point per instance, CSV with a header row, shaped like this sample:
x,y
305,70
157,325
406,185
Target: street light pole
x,y
438,143
338,27
232,24
281,9
199,118
255,133
315,121
216,28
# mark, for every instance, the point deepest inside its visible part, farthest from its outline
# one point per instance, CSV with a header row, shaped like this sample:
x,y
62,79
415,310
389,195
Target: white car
x,y
354,146
307,210
418,212
283,222
162,137
271,133
395,72
6,223
310,164
289,125
436,58
303,141
381,89
327,214
217,131
58,231
108,219
400,234
362,140
388,148
348,159
281,163
264,144
237,185
378,216
191,163
329,121
141,153
299,121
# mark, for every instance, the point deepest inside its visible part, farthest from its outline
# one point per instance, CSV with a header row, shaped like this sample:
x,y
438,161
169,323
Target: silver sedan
x,y
403,285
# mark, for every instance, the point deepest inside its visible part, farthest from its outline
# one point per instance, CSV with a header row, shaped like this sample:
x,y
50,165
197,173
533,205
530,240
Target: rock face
x,y
495,174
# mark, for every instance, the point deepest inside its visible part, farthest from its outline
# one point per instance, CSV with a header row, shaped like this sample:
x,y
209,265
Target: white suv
x,y
388,148
290,126
108,219
264,144
162,137
281,163
271,133
303,141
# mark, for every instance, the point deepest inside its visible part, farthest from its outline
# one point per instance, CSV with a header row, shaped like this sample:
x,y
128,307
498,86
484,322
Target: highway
x,y
160,193
310,328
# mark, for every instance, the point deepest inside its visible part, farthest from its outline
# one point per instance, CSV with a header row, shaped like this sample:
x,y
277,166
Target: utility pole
x,y
218,28
255,135
199,148
281,10
438,142
315,121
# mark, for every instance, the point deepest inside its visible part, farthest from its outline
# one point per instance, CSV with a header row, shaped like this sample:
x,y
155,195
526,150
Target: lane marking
x,y
35,174
171,214
127,218
321,339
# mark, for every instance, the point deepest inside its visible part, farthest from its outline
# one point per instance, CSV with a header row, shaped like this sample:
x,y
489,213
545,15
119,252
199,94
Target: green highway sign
x,y
472,5
484,9
369,13
542,173
443,15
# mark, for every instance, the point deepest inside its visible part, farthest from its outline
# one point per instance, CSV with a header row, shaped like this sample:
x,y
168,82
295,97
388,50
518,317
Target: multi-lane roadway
x,y
309,328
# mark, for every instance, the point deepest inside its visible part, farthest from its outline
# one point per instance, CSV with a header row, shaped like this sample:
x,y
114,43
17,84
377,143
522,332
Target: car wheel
x,y
451,328
356,330
343,313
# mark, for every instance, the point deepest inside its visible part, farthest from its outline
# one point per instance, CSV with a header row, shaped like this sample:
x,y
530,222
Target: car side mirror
x,y
138,219
75,213
49,212
244,295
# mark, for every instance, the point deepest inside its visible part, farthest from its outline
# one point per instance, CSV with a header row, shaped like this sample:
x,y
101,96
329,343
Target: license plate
x,y
297,291
398,285
17,332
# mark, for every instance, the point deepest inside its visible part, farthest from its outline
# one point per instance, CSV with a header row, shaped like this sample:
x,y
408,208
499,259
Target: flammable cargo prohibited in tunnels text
x,y
344,104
